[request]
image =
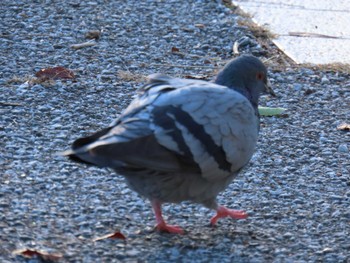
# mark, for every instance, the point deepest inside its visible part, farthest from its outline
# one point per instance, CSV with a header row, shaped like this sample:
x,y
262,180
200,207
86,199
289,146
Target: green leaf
x,y
267,111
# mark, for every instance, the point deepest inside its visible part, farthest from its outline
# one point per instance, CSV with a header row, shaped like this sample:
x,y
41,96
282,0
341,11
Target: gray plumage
x,y
183,139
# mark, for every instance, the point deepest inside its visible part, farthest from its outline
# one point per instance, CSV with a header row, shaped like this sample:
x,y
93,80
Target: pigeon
x,y
183,139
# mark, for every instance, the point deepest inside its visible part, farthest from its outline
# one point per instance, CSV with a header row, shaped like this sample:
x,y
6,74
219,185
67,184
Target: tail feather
x,y
89,139
82,142
72,155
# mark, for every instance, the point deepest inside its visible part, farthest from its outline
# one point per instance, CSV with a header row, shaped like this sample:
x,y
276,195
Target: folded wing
x,y
177,125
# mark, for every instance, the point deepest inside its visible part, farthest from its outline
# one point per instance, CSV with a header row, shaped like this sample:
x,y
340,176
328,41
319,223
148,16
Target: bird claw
x,y
222,212
162,227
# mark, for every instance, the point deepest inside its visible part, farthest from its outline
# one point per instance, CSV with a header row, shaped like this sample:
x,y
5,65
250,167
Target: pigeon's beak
x,y
268,88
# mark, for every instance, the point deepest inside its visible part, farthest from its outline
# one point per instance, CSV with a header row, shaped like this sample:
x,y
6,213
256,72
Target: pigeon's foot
x,y
222,212
163,227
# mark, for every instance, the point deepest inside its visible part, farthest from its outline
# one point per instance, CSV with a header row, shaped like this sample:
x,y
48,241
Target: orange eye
x,y
260,76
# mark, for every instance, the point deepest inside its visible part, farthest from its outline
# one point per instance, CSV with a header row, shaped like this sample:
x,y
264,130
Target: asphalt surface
x,y
296,188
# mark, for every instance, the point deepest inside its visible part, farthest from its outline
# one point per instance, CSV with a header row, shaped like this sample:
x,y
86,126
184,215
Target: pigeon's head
x,y
247,75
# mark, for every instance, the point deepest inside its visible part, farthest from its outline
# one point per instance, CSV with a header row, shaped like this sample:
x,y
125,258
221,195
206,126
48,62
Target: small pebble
x,y
324,80
343,148
297,86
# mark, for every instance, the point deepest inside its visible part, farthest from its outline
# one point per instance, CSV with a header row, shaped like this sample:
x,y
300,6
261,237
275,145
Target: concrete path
x,y
308,31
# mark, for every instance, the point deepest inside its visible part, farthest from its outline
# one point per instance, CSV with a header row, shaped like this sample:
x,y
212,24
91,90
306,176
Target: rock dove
x,y
183,139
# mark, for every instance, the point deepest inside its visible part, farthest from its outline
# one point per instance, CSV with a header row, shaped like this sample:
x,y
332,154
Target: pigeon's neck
x,y
239,86
252,99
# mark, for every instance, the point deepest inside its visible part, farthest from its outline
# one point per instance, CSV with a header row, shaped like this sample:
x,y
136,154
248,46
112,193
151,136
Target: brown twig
x,y
2,103
180,66
309,34
85,44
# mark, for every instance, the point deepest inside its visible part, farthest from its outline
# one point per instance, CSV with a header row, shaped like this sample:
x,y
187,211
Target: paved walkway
x,y
308,31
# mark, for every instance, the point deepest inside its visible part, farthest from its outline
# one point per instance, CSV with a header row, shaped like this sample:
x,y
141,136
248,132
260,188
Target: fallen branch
x,y
2,103
308,34
180,66
235,48
89,43
271,58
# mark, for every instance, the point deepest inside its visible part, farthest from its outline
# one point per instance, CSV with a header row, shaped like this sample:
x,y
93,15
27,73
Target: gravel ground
x,y
296,188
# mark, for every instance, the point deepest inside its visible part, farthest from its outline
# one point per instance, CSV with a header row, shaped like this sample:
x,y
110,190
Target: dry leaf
x,y
175,49
93,34
344,127
130,76
31,253
309,91
116,235
55,73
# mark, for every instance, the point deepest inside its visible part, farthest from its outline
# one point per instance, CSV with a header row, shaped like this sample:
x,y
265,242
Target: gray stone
x,y
343,148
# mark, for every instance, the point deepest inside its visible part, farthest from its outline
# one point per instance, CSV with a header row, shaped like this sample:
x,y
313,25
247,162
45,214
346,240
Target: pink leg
x,y
161,225
222,211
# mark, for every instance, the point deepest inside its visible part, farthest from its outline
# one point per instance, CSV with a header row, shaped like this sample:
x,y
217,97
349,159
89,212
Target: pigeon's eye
x,y
260,76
